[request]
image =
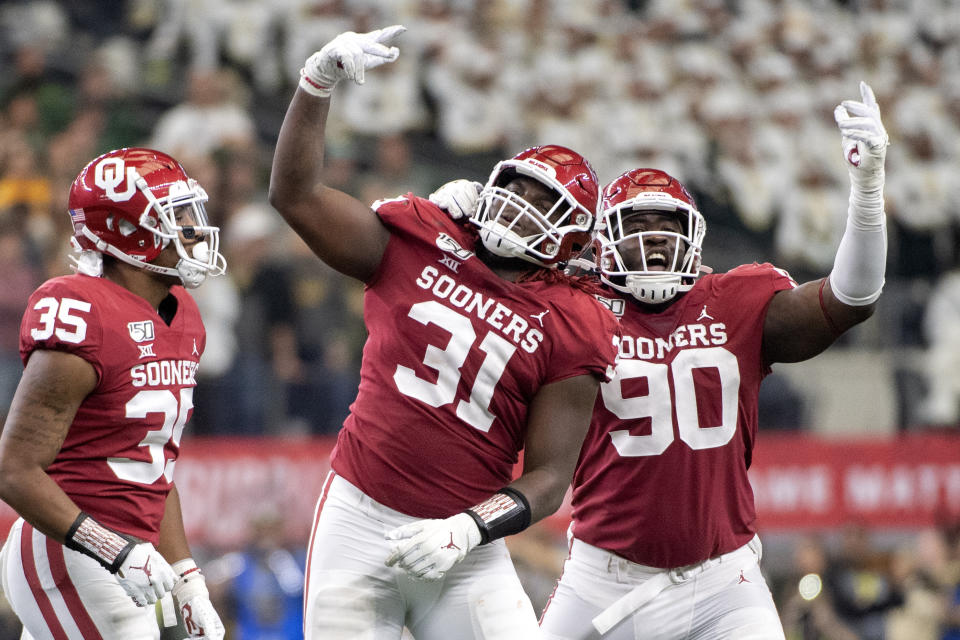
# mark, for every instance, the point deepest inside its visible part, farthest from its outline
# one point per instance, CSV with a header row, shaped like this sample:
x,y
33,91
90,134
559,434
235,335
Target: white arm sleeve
x,y
858,269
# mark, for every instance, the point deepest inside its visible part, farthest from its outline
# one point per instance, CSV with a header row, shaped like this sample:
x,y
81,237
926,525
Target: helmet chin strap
x,y
652,290
501,241
506,243
191,275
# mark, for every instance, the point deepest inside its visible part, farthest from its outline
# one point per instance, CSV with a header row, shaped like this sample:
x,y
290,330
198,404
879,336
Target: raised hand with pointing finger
x,y
348,56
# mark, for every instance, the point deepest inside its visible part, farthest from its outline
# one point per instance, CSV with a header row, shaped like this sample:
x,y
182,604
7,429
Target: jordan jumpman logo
x,y
451,545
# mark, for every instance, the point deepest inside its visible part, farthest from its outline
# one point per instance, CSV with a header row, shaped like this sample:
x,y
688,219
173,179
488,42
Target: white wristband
x,y
313,87
185,566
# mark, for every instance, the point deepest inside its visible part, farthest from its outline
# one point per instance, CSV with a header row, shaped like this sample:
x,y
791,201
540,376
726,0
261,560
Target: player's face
x,y
189,237
658,249
538,195
186,219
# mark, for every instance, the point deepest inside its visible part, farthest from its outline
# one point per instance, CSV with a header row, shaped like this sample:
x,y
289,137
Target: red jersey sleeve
x,y
61,316
589,340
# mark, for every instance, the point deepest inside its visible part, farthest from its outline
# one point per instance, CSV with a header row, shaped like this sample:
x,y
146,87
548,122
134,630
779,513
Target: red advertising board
x,y
908,481
800,482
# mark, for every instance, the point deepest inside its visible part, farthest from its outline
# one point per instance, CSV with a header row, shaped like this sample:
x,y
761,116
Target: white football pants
x,y
350,594
722,598
59,593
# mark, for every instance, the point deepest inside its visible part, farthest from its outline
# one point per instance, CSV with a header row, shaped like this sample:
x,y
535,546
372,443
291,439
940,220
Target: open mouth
x,y
657,260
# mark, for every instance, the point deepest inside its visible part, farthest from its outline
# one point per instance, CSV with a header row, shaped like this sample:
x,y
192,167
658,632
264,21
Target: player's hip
x,y
58,592
592,560
720,596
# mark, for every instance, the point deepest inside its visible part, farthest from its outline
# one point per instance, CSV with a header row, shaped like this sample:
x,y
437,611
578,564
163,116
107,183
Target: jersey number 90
x,y
657,405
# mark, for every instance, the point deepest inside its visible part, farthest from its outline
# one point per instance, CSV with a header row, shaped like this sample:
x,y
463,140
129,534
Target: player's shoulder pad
x,y
396,212
76,286
597,325
413,215
761,270
592,300
64,313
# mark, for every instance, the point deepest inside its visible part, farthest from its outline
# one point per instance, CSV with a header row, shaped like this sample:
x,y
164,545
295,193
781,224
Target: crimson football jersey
x,y
454,356
662,477
117,459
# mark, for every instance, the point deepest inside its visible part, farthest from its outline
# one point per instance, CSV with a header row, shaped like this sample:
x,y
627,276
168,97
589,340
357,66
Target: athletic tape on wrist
x,y
184,567
91,538
313,87
502,514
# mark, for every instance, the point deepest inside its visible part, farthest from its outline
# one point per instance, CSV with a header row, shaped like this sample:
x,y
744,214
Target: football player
x,y
88,450
663,540
479,346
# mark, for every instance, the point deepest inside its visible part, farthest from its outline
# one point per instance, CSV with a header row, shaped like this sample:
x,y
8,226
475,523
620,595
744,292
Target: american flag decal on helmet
x,y
77,218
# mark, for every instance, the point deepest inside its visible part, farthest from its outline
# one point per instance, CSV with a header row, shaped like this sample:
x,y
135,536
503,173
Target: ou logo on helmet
x,y
109,174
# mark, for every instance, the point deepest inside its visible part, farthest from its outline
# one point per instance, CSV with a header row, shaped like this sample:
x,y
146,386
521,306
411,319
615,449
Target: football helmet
x,y
640,191
568,226
128,203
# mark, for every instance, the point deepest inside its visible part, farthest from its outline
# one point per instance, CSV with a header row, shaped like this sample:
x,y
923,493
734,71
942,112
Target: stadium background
x,y
859,456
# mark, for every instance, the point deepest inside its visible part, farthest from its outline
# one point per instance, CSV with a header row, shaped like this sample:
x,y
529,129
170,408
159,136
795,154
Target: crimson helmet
x,y
124,204
640,191
564,231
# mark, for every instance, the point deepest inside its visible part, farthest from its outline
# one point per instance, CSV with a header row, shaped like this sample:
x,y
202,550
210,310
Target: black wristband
x,y
502,514
104,545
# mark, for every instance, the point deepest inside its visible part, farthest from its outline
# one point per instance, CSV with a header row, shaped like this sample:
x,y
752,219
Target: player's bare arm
x,y
341,230
190,590
799,326
804,321
344,232
53,385
173,540
557,424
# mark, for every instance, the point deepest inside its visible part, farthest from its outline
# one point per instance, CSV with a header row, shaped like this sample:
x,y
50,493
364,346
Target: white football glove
x,y
427,549
864,140
145,575
190,593
458,198
348,56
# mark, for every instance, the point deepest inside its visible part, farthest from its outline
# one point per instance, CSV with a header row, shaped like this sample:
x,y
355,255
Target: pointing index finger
x,y
867,94
388,33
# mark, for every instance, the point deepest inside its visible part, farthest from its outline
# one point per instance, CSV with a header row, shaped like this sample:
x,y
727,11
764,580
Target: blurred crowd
x,y
858,589
735,97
